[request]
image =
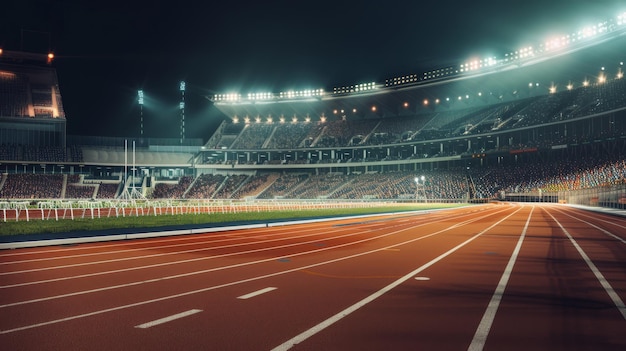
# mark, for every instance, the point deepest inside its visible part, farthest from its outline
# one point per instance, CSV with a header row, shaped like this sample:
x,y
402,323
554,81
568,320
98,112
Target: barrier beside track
x,y
61,210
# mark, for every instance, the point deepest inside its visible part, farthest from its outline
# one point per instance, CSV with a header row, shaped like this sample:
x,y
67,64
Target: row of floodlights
x,y
427,102
357,88
270,119
266,96
551,44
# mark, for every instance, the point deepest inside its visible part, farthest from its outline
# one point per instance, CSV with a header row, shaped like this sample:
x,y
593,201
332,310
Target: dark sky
x,y
107,50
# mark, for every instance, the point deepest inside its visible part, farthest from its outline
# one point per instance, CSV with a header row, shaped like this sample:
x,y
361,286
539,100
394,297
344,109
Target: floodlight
x,y
182,86
140,97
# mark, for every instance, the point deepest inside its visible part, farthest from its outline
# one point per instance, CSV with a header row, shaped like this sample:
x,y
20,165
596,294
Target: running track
x,y
493,277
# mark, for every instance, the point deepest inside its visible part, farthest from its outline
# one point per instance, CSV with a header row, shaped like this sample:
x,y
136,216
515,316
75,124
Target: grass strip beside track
x,y
181,220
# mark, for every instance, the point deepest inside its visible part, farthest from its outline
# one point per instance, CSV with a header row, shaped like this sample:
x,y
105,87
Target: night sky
x,y
106,51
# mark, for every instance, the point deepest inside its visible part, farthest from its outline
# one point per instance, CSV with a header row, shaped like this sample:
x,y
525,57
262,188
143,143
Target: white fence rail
x,y
57,210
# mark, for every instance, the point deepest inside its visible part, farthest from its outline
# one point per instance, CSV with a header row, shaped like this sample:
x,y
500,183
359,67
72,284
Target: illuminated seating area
x,y
592,98
32,186
205,186
172,190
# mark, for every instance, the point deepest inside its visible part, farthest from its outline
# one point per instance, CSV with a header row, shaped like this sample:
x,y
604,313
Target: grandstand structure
x,y
31,111
542,123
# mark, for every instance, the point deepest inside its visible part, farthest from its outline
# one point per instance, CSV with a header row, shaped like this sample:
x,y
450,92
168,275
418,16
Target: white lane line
x,y
598,228
256,293
480,337
90,263
337,317
605,284
167,319
225,267
215,287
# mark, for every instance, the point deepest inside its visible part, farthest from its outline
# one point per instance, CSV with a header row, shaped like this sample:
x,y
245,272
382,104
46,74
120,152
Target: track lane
x,y
315,263
450,304
154,270
554,301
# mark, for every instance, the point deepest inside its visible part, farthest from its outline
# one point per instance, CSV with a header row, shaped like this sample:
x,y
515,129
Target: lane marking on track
x,y
598,228
280,237
318,274
220,256
256,293
167,319
346,312
422,278
605,284
215,287
480,337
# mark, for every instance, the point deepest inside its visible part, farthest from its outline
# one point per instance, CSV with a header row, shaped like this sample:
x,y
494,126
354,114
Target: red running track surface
x,y
492,277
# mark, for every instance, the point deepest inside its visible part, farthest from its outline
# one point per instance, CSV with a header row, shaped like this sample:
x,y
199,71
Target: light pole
x,y
140,101
182,111
419,187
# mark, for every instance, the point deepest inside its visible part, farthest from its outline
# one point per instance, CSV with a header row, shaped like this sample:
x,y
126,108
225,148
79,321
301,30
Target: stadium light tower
x,y
140,100
182,111
420,188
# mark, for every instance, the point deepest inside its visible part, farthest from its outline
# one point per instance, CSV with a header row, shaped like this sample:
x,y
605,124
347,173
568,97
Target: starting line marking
x,y
167,319
256,293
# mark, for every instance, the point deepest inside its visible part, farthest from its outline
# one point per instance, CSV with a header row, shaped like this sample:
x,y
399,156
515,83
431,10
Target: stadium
x,y
553,112
544,125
